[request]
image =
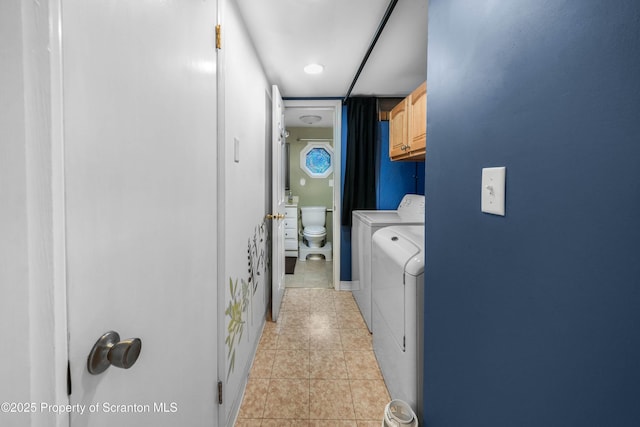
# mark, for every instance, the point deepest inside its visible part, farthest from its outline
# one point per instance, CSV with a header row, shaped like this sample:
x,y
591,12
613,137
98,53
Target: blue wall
x,y
394,180
533,319
345,232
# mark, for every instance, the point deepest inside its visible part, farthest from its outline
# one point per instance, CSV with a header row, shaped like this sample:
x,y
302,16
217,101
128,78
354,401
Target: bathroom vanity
x,y
291,229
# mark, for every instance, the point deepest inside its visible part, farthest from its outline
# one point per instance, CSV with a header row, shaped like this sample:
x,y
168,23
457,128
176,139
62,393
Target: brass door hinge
x,y
218,36
219,392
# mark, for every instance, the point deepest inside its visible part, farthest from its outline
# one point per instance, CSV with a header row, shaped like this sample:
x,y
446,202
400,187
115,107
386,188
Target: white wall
x,y
246,92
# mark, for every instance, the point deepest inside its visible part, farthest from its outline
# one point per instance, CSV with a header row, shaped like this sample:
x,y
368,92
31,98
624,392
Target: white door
x,y
278,202
140,168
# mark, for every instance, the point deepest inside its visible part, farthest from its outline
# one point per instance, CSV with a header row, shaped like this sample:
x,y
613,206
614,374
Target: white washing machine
x,y
364,224
398,311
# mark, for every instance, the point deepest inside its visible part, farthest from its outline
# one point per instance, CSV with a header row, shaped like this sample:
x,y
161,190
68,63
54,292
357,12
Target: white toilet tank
x,y
313,215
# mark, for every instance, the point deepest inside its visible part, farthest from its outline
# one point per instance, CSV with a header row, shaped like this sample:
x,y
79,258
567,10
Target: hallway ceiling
x,y
289,34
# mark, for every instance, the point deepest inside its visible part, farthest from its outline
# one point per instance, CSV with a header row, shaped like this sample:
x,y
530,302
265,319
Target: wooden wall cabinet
x,y
398,129
408,127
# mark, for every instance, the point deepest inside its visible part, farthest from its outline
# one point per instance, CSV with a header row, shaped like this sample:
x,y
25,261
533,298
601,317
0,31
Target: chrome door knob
x,y
125,353
109,350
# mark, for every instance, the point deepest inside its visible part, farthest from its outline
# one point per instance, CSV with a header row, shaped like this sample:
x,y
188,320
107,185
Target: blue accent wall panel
x,y
533,319
345,232
395,179
420,173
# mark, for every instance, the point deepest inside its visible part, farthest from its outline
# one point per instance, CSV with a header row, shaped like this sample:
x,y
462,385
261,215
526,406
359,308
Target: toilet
x,y
314,233
313,218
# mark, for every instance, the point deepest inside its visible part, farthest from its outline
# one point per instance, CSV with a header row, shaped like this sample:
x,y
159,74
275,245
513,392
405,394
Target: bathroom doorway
x,y
313,174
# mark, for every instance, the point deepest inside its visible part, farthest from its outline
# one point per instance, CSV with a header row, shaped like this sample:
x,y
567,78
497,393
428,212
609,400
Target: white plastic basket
x,y
398,413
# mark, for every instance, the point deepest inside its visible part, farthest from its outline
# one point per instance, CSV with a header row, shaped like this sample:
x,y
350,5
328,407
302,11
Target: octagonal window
x,y
316,159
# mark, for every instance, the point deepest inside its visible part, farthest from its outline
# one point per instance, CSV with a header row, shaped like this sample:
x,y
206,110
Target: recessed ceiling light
x,y
313,68
310,119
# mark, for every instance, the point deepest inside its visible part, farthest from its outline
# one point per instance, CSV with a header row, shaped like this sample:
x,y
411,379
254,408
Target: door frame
x,y
44,194
336,106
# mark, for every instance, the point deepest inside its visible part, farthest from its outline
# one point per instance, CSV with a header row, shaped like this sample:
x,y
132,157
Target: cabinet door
x,y
291,213
418,119
398,135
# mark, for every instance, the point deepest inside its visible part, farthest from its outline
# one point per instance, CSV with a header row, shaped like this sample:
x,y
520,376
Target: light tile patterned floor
x,y
315,367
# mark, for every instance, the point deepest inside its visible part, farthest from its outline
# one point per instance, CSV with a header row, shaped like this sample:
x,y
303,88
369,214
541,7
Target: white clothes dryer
x,y
398,311
410,212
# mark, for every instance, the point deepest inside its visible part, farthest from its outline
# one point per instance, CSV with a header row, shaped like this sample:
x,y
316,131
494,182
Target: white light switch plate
x,y
493,184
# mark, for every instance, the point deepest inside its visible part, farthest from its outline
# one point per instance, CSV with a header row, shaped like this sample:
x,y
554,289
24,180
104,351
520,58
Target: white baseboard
x,y
345,285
